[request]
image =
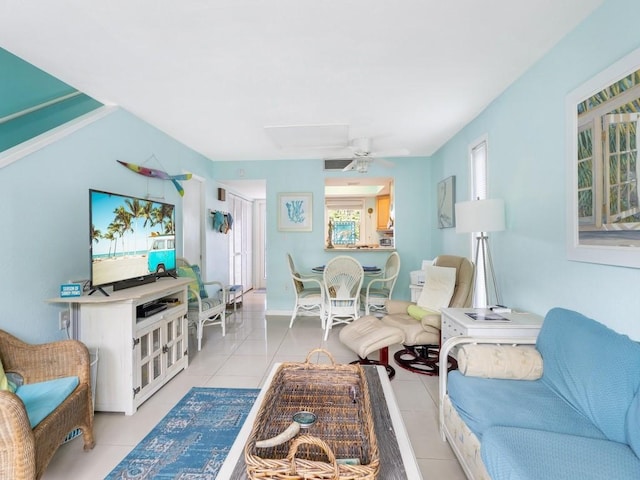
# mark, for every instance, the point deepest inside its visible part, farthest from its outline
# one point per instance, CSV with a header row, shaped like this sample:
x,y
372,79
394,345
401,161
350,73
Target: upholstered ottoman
x,y
368,334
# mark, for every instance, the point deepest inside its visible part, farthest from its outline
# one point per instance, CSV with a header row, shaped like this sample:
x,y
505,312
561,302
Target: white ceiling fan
x,y
361,156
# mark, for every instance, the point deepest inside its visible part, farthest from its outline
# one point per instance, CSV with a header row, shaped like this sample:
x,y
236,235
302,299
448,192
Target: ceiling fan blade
x,y
350,167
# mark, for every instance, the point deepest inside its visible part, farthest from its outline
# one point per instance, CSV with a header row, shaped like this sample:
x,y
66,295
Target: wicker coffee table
x,y
397,460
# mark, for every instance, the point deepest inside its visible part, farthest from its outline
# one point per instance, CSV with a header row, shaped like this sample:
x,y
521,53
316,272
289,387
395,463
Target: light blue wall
x,y
527,162
44,238
415,217
47,217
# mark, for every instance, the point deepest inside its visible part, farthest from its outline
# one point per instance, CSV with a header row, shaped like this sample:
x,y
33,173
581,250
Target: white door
x,y
192,220
241,242
260,267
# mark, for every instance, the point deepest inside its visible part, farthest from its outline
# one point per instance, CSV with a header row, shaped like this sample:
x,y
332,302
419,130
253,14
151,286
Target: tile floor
x,y
242,359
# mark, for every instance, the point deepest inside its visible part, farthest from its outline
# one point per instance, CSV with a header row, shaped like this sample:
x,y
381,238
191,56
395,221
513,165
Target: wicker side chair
x,y
26,452
205,308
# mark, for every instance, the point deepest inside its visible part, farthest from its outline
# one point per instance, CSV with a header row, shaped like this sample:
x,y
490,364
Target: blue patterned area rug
x,y
193,439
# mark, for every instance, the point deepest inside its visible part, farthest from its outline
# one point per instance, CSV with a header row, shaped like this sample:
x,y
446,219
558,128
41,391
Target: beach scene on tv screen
x,y
130,237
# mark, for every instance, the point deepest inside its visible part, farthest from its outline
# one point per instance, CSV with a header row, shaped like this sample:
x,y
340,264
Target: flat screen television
x,y
132,240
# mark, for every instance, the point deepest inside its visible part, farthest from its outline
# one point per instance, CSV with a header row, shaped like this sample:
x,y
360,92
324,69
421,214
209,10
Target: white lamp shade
x,y
480,216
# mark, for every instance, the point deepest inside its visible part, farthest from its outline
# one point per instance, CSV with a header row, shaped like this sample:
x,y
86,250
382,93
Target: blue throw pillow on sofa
x,y
592,367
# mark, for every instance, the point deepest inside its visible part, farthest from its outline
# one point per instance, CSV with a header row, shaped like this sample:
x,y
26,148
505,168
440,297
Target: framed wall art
x,y
295,212
446,202
603,168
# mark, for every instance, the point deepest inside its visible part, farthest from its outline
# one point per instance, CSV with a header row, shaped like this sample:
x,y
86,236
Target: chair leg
x,y
384,361
293,317
223,320
384,355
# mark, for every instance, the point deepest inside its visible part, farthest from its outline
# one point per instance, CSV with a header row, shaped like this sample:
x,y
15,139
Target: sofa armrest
x,y
45,361
17,442
451,343
513,362
432,320
395,307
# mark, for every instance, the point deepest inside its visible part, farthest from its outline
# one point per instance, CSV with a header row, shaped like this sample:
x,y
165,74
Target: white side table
x,y
234,294
456,322
415,289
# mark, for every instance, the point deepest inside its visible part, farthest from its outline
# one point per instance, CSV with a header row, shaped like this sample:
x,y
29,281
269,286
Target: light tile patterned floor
x,y
242,359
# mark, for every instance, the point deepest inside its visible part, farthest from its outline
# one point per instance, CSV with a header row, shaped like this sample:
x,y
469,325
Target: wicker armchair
x,y
26,452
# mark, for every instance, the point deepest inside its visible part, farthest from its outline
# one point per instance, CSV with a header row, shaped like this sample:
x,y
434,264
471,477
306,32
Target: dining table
x,y
368,270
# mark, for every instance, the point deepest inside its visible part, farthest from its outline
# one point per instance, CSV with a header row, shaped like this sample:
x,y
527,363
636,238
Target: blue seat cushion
x,y
485,402
633,424
42,398
519,454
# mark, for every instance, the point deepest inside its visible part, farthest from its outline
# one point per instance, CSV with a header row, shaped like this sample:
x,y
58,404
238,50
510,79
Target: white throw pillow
x,y
438,287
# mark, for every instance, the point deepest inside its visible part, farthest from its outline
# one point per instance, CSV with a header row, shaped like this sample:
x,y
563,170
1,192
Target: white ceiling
x,y
214,73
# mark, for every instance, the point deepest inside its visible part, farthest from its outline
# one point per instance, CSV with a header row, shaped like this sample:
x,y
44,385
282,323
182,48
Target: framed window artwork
x,y
295,212
603,168
446,201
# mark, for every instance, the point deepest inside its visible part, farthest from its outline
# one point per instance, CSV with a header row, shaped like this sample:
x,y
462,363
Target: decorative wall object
x,y
446,201
603,176
154,173
222,194
295,212
344,233
222,221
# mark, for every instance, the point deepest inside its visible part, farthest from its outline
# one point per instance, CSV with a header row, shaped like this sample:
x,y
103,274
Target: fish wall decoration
x,y
153,173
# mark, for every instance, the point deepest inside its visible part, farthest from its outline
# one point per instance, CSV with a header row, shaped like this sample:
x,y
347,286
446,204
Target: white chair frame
x,y
379,289
207,317
344,275
310,299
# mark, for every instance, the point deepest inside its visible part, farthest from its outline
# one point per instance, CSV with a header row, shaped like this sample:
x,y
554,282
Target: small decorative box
x,y
70,290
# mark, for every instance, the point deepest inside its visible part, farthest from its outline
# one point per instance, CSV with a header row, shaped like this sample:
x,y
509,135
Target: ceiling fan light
x,y
362,165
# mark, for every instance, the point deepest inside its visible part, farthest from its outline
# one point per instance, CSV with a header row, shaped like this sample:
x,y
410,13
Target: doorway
x,y
247,239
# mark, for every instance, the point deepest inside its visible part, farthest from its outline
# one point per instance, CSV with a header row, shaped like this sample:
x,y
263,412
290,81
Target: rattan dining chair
x,y
343,276
375,295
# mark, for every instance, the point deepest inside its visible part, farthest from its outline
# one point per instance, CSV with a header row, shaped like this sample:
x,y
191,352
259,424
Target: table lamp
x,y
482,216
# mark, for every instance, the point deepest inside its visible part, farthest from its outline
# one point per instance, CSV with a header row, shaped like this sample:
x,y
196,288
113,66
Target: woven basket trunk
x,y
343,432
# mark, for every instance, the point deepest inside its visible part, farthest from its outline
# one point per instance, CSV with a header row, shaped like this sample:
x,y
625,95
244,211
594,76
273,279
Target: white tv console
x,y
137,355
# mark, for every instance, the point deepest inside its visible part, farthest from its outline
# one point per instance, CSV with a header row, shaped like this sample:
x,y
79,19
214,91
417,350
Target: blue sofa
x,y
579,420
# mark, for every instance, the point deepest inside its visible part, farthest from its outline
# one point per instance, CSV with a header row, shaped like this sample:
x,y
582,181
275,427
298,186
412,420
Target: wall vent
x,y
336,163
